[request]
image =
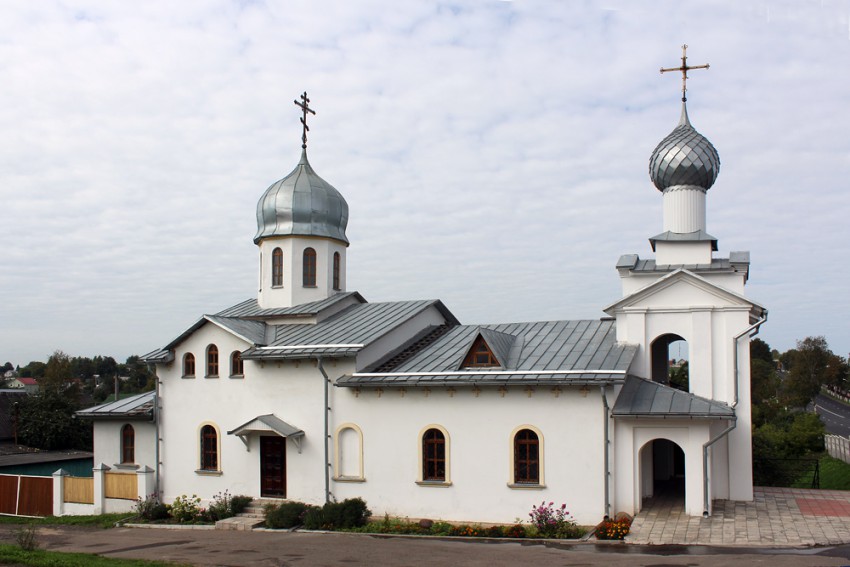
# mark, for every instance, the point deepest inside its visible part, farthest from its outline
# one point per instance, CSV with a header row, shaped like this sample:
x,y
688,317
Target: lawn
x,y
14,555
102,521
834,474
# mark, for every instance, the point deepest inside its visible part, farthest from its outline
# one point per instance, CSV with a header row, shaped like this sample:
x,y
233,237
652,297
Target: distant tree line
x,y
67,384
783,385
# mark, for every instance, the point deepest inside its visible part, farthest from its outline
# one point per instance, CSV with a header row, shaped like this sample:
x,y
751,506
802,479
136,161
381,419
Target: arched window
x,y
189,364
336,271
526,457
128,444
309,279
277,267
236,368
209,448
434,456
212,361
349,453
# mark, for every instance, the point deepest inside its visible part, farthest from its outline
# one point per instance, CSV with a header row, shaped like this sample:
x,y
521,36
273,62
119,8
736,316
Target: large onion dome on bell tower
x,y
302,204
684,157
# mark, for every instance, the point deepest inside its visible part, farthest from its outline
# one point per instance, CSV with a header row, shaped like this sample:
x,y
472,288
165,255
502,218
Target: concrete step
x,y
239,523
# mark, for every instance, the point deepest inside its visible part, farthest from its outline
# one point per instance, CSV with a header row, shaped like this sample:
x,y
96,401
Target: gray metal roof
x,y
157,356
302,203
137,407
251,309
696,236
343,334
635,264
644,398
549,352
500,344
253,331
268,422
684,157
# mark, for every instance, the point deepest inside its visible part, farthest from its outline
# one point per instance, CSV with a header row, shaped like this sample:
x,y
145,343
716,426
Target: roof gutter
x,y
751,331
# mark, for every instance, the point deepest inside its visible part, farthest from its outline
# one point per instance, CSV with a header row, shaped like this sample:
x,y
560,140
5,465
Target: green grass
x,y
14,555
834,474
102,521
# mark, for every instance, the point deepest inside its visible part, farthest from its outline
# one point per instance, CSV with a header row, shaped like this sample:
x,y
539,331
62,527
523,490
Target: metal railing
x,y
796,473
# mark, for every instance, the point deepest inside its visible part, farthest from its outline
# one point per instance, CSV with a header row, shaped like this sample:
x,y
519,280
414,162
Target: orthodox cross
x,y
684,69
305,109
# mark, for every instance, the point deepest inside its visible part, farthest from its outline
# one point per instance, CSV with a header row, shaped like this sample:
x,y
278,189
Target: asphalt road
x,y
834,415
256,549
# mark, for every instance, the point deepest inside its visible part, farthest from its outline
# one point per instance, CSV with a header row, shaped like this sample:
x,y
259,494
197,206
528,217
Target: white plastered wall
x,y
107,443
293,292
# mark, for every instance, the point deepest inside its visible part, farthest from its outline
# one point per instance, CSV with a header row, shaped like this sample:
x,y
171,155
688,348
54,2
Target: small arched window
x,y
209,448
336,271
188,364
309,279
128,444
236,368
526,457
434,455
277,267
212,361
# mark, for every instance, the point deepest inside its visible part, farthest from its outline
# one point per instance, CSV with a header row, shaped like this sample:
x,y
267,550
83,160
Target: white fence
x,y
838,447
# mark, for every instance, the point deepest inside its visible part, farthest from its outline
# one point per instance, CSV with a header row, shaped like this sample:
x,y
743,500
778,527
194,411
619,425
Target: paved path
x,y
275,549
777,517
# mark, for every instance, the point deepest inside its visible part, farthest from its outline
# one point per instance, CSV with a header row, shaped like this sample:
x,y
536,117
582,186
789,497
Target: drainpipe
x,y
752,330
327,417
605,453
156,431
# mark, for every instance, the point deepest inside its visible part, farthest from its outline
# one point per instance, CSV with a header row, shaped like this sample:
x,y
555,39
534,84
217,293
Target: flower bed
x,y
187,509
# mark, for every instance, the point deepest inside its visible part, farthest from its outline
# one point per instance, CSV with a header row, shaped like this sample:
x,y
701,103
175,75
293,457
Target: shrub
x,y
26,538
350,513
186,509
613,529
151,509
285,516
553,522
494,531
239,502
516,530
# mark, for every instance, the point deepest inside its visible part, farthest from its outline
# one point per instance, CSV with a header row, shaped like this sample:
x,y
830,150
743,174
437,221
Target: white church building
x,y
310,392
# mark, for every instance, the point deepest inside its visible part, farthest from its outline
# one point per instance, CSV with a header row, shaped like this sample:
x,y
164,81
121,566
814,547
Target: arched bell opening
x,y
670,362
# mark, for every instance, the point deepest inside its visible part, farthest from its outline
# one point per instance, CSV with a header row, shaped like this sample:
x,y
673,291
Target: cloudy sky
x,y
493,154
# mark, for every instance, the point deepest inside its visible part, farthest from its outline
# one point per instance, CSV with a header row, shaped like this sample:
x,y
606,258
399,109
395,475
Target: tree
x,y
810,366
57,373
47,421
35,369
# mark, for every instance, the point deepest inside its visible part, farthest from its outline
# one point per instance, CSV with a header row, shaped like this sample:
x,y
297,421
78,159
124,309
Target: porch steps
x,y
249,519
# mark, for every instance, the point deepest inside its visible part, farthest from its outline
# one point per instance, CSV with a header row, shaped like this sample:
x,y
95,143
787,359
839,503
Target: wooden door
x,y
273,467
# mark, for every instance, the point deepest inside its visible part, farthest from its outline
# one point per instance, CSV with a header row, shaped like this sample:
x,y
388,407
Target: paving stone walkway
x,y
776,517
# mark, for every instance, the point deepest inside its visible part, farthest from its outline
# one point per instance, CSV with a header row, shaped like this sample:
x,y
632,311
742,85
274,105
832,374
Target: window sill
x,y
237,376
434,483
310,286
211,376
349,479
277,286
204,472
529,486
126,466
188,376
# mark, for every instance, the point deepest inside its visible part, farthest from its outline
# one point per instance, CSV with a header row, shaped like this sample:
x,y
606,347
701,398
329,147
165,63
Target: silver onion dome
x,y
303,204
684,157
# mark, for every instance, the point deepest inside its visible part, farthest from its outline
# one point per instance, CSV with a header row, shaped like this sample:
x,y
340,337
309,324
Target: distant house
x,y
29,385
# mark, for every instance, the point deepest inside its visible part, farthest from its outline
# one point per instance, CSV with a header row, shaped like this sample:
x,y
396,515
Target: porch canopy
x,y
268,423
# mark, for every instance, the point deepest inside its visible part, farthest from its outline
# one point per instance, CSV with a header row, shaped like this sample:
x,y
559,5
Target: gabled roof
x,y
691,278
345,333
138,407
644,398
500,345
268,422
543,353
251,308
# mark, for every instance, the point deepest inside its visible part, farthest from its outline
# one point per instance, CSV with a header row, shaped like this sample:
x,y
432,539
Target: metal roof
x,y
500,344
138,407
252,331
644,398
635,264
251,308
548,352
684,157
302,203
696,236
268,422
342,334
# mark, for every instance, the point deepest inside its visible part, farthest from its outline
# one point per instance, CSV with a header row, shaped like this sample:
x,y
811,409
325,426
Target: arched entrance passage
x,y
662,473
669,355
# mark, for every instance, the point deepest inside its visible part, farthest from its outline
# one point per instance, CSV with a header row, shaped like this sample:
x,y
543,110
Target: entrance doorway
x,y
273,467
662,471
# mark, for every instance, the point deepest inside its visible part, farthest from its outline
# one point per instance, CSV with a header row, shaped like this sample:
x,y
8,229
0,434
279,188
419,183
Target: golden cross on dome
x,y
305,108
684,69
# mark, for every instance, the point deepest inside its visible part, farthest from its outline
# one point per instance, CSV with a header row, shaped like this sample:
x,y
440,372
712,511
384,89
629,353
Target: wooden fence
x,y
838,447
79,490
26,495
123,486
